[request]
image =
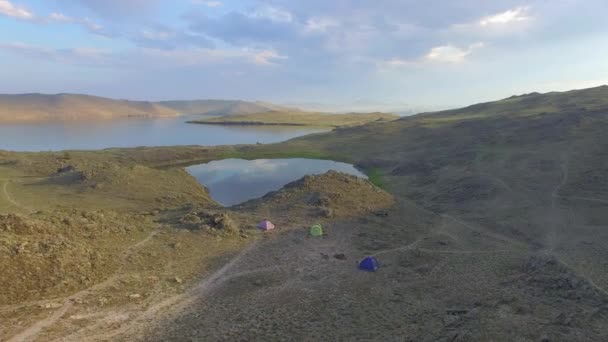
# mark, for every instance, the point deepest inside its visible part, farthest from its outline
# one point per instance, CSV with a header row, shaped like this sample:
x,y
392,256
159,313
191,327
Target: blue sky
x,y
341,53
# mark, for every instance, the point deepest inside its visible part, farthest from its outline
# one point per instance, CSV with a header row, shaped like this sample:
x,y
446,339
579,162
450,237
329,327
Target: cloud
x,y
267,57
320,24
145,57
444,54
78,56
13,11
208,3
272,13
10,10
450,54
511,16
85,23
118,9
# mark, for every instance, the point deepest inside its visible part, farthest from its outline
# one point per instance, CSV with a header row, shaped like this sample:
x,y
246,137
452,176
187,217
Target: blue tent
x,y
369,264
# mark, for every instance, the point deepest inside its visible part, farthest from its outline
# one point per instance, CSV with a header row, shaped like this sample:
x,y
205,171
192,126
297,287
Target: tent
x,y
316,230
369,264
266,225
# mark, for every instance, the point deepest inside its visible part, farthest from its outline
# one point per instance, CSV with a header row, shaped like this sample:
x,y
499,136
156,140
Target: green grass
x,y
376,177
283,154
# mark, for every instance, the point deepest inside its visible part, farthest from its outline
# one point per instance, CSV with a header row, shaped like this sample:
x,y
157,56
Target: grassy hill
x,y
295,118
66,107
219,107
71,107
527,105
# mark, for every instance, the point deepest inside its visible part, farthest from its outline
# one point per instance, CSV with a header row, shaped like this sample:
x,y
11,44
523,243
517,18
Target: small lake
x,y
234,181
137,132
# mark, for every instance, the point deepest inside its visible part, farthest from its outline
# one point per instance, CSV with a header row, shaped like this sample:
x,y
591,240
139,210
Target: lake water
x,y
233,181
137,132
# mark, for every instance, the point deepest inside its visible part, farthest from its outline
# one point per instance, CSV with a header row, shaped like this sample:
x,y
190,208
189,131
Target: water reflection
x,y
233,181
137,132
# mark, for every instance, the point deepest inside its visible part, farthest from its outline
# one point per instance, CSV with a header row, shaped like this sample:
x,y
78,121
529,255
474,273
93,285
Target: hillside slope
x,y
532,104
219,107
75,107
499,234
66,107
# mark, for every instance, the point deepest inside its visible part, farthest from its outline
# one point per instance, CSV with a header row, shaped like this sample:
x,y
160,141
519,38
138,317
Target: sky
x,y
358,54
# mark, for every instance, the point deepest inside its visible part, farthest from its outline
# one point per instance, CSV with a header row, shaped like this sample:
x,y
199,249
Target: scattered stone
x,y
135,296
456,311
51,305
178,280
340,256
66,169
326,212
381,213
324,256
257,282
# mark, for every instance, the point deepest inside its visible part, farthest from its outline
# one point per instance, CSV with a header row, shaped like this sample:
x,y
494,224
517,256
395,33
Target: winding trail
x,y
30,333
589,199
11,200
552,238
555,196
177,302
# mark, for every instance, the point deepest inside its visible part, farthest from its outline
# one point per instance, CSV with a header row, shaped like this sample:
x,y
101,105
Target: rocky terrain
x,y
490,226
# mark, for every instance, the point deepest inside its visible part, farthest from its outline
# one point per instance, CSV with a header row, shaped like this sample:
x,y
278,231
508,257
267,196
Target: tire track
x,y
30,333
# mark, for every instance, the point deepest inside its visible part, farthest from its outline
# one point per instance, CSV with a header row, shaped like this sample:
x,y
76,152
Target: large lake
x,y
137,132
233,181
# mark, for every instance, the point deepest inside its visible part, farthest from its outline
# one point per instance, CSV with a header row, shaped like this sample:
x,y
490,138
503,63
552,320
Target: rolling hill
x,y
67,107
75,107
220,107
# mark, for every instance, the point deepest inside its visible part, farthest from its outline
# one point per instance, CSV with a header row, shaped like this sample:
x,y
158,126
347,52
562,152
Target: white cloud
x,y
272,13
85,23
444,54
266,57
511,16
59,18
10,10
156,35
208,3
77,56
319,24
145,57
450,53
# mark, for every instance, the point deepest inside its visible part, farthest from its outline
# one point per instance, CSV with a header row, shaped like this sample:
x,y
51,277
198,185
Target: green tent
x,y
316,230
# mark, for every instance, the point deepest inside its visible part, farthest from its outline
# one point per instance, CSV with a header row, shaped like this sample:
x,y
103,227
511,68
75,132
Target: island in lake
x,y
298,118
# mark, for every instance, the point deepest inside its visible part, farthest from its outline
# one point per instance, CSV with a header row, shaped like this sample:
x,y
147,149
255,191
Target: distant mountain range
x,y
75,107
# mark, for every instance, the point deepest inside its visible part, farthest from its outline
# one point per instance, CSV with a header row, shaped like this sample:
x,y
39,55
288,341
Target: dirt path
x,y
552,238
486,231
30,333
11,200
590,199
172,304
587,279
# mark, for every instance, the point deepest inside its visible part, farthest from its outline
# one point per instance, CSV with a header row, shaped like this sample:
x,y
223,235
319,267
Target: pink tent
x,y
266,225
